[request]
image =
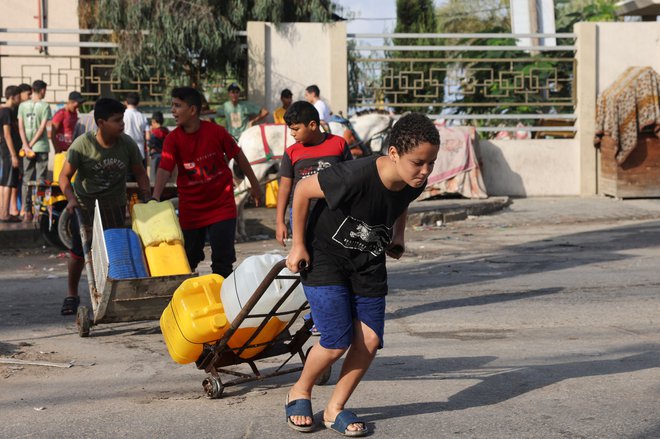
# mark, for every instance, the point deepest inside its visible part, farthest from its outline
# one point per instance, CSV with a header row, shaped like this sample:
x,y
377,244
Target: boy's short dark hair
x,y
12,91
39,85
190,96
286,93
157,116
132,98
25,87
104,108
301,112
411,130
314,90
233,87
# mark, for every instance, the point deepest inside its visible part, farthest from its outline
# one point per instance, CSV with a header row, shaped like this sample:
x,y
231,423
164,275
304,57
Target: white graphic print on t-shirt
x,y
357,235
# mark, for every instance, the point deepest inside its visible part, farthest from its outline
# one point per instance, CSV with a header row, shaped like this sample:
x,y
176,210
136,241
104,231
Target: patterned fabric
x,y
625,108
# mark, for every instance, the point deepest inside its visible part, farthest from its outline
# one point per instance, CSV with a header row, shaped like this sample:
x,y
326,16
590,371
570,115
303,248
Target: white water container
x,y
242,283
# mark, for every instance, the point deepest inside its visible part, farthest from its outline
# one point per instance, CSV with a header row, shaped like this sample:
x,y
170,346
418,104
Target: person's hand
x,y
257,194
72,204
14,162
298,258
395,249
281,233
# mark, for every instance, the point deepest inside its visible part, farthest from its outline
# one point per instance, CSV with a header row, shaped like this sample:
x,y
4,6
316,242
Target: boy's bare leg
x,y
5,193
75,268
13,205
318,360
360,355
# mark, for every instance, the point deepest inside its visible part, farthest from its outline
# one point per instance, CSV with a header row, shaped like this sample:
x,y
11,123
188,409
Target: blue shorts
x,y
335,309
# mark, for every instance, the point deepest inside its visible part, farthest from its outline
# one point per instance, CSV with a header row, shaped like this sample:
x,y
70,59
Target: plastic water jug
x,y
193,317
239,287
167,259
125,258
156,222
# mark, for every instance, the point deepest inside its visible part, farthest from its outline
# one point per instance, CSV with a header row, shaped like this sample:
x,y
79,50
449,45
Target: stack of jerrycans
x,y
158,228
202,309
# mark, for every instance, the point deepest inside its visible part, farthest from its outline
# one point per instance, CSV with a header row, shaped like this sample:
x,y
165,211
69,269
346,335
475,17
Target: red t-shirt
x,y
204,183
66,124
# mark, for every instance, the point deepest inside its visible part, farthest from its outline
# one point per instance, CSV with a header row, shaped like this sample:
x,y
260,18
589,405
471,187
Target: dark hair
x,y
286,93
11,91
301,112
132,98
104,108
25,87
39,85
314,89
157,116
411,130
190,96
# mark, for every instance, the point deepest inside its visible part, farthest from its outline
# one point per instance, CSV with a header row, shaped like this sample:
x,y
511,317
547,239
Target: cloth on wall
x,y
628,106
457,168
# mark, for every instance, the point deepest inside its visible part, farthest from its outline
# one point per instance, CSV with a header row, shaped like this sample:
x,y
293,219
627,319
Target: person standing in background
x,y
33,116
64,123
313,96
158,134
240,115
9,145
136,124
286,97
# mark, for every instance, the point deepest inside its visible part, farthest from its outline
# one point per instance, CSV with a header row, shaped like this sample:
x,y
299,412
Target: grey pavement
x,y
538,320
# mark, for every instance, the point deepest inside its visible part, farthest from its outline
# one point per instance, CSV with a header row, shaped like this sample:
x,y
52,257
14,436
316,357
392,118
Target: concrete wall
x,y
526,168
605,50
294,56
60,71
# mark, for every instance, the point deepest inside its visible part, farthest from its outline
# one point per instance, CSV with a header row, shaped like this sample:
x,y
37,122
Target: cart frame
x,y
118,300
216,356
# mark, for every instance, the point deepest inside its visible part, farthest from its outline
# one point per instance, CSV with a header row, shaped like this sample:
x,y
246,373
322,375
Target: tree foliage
x,y
187,40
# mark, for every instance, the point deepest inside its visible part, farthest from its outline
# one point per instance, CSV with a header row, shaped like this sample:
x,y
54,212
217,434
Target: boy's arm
x,y
397,246
255,187
162,176
39,133
65,185
263,112
142,181
6,129
306,190
21,130
282,200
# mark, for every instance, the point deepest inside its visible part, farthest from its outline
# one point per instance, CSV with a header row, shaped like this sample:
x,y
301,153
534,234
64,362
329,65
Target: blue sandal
x,y
299,407
343,420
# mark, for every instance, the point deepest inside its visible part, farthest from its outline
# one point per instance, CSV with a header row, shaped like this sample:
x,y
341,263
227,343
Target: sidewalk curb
x,y
424,213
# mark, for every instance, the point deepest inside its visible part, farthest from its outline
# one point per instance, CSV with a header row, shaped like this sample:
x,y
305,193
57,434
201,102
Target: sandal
x,y
299,407
343,420
70,305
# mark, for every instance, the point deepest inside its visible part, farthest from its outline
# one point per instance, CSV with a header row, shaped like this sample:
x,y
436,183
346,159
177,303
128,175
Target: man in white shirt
x,y
313,96
136,124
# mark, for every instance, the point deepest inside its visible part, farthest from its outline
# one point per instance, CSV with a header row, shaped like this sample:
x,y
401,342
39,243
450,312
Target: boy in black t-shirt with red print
x,y
313,151
360,216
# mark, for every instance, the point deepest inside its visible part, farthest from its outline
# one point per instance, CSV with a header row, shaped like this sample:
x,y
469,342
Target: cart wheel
x,y
213,387
325,376
82,321
64,229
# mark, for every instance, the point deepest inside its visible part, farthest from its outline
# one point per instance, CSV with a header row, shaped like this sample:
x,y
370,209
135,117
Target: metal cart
x,y
118,300
217,356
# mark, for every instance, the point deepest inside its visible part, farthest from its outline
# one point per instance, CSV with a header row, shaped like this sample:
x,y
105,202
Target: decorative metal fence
x,y
85,66
491,81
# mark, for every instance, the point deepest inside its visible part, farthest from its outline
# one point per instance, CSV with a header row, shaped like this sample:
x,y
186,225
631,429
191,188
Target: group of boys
x,y
346,215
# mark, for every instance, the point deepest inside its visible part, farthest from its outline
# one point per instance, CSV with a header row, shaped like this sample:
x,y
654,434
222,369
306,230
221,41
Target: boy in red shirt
x,y
200,150
64,123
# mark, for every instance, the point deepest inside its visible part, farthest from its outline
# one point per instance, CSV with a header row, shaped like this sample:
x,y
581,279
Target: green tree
x,y
188,40
569,12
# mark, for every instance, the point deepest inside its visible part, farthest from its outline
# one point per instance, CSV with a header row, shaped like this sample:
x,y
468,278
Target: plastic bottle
x,y
239,287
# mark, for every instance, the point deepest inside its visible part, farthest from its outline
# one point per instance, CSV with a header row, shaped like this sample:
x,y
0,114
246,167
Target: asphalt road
x,y
541,321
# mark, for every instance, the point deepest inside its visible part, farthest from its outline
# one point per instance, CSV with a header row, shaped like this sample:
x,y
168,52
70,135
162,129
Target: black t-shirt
x,y
302,161
8,117
349,231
